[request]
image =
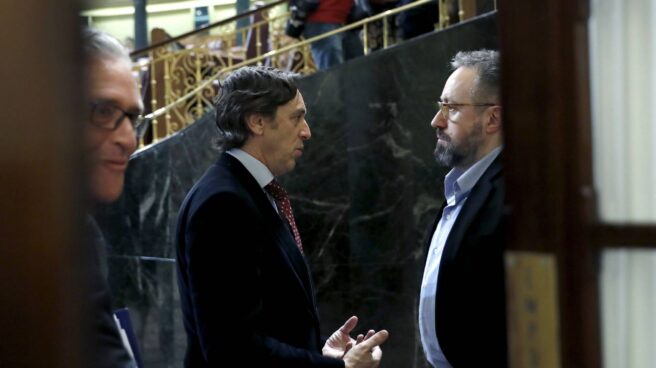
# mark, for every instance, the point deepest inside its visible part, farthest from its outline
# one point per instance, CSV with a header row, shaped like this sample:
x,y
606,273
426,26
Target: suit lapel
x,y
276,225
477,197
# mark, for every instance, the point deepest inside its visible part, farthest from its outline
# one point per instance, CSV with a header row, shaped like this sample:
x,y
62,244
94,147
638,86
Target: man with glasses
x,y
114,108
462,317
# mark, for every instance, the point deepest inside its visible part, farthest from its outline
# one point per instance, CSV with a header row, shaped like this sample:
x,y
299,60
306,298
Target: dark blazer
x,y
246,293
103,345
470,317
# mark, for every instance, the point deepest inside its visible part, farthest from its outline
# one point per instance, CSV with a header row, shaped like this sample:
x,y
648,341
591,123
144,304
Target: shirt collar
x,y
258,170
459,182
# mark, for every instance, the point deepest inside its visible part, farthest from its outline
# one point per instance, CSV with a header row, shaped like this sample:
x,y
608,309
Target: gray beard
x,y
450,157
464,155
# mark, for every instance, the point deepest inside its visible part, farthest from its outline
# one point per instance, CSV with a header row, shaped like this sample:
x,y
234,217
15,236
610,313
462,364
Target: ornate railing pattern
x,y
180,78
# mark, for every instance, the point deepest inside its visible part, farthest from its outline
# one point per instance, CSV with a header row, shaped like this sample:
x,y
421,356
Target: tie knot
x,y
276,190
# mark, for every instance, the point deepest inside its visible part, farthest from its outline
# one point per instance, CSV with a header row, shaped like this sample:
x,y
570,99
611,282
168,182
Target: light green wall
x,y
120,24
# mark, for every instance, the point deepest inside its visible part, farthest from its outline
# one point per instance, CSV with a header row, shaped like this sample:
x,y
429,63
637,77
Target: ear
x,y
493,124
255,123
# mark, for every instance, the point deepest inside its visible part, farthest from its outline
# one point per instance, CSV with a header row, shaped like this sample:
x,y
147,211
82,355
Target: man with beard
x,y
462,317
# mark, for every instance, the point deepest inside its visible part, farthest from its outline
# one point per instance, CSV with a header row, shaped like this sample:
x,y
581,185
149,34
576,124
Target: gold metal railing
x,y
175,73
260,6
191,76
170,69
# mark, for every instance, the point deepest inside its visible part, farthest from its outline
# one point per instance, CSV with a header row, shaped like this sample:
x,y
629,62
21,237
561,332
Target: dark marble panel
x,y
364,193
370,186
151,294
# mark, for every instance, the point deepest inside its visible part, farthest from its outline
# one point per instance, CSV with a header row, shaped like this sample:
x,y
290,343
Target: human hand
x,y
359,339
340,341
367,353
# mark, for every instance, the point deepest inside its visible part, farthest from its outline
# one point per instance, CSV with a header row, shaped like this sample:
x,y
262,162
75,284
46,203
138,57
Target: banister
x,y
207,27
203,87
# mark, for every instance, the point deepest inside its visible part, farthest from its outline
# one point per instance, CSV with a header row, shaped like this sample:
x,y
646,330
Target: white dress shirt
x,y
256,168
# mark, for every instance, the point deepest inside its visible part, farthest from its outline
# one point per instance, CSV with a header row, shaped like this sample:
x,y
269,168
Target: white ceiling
x,y
97,4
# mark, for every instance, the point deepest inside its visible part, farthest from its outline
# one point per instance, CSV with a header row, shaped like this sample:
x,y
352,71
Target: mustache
x,y
443,137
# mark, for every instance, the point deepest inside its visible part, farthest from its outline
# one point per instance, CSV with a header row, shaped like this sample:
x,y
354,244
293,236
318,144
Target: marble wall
x,y
363,194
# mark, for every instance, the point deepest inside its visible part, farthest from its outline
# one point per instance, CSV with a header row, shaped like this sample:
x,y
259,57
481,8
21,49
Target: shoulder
x,y
218,187
227,175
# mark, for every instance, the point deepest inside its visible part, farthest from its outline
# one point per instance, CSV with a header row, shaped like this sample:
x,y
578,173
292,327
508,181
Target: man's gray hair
x,y
487,82
100,45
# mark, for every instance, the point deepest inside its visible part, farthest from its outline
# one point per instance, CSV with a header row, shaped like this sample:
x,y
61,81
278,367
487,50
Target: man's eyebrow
x,y
136,110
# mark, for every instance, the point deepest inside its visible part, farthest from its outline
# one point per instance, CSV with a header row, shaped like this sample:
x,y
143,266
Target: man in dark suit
x,y
462,316
114,108
246,290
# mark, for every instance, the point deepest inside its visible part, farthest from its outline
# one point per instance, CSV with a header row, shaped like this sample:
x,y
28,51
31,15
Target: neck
x,y
253,150
483,151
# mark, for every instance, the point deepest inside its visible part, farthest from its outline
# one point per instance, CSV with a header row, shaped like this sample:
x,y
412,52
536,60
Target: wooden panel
x,y
533,305
39,156
624,235
548,156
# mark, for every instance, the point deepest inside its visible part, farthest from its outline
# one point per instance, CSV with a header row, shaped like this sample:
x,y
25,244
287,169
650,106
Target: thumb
x,y
349,325
377,339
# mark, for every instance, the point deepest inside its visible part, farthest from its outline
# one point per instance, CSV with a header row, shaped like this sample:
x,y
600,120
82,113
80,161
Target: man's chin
x,y
442,157
106,196
291,166
284,170
443,163
106,192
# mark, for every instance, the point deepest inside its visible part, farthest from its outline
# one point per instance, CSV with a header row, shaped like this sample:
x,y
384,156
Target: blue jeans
x,y
335,49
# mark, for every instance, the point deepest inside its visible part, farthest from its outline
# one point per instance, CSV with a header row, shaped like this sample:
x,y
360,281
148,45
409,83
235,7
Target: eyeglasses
x,y
446,107
107,116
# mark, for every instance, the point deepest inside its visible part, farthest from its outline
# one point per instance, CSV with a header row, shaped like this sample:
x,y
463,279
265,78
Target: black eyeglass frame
x,y
137,121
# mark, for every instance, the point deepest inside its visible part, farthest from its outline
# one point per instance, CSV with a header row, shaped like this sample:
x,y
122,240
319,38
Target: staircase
x,y
179,76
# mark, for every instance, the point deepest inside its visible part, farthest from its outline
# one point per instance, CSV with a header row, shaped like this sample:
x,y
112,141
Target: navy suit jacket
x,y
470,307
246,292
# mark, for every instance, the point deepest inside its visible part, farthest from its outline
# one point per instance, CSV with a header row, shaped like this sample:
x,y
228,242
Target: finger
x,y
377,339
377,353
348,347
359,339
369,334
349,325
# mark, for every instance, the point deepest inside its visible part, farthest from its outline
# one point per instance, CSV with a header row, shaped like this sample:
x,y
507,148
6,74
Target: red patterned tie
x,y
284,207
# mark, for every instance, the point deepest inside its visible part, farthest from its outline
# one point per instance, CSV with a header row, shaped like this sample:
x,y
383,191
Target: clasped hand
x,y
362,352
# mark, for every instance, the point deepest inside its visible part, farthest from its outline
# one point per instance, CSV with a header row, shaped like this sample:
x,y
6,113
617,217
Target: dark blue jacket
x,y
246,293
470,318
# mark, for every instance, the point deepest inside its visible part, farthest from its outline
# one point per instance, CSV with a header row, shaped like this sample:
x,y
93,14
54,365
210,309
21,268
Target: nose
x,y
125,136
438,120
305,131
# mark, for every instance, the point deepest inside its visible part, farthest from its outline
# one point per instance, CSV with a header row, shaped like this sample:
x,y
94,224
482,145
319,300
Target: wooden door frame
x,y
548,152
41,150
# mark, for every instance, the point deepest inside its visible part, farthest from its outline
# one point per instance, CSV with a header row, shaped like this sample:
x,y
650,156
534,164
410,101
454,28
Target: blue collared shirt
x,y
457,185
